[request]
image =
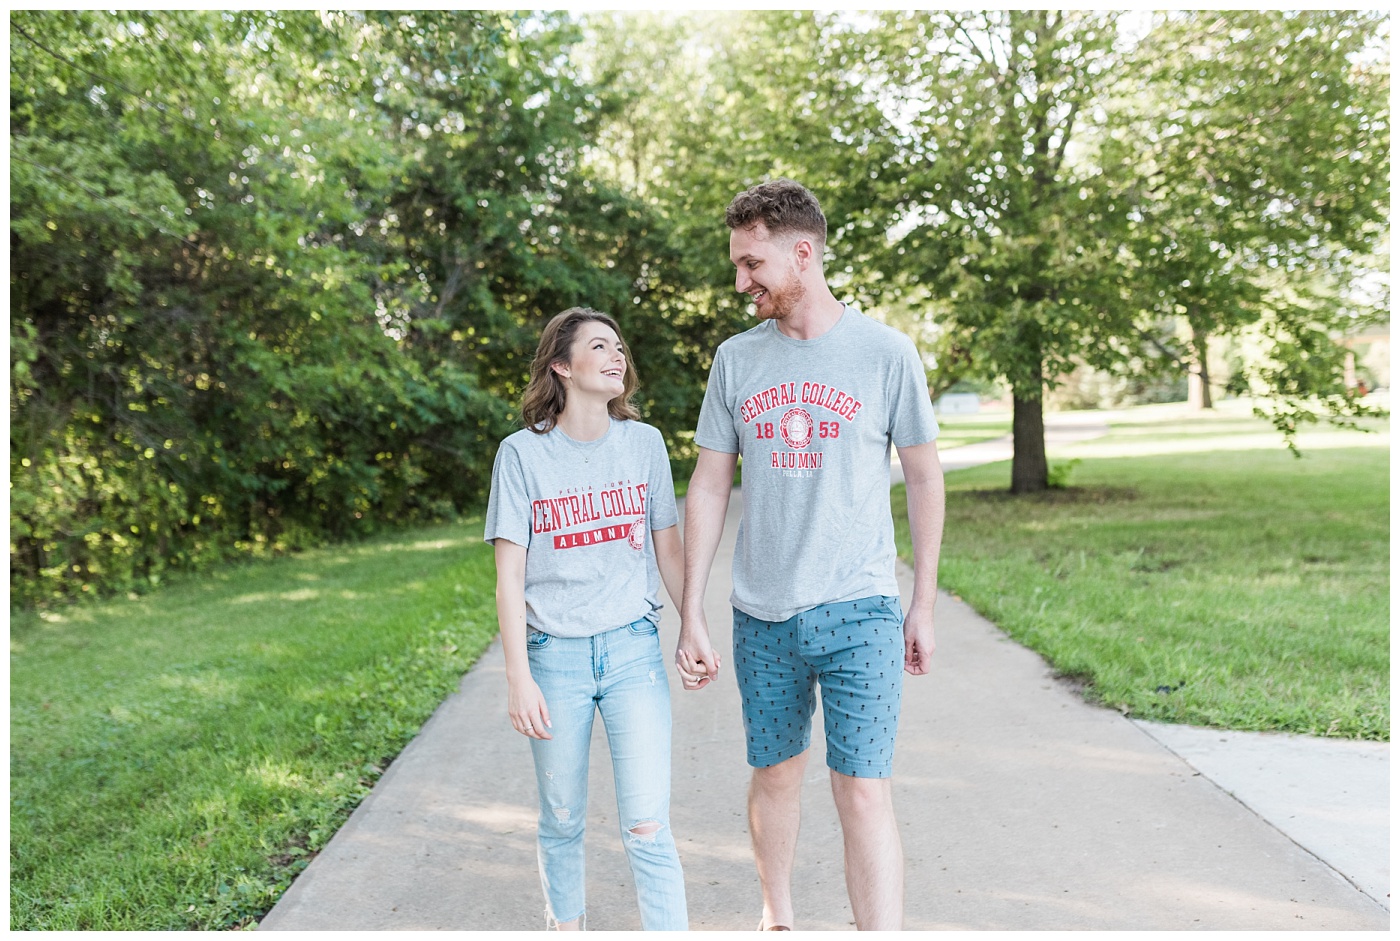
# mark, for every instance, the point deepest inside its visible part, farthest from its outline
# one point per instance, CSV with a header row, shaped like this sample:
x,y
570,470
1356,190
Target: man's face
x,y
766,270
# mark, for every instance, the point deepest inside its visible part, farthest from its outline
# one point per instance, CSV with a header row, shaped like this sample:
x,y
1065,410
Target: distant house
x,y
1368,357
957,403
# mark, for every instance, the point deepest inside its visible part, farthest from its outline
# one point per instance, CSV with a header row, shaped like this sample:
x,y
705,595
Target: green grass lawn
x,y
954,431
1221,582
175,760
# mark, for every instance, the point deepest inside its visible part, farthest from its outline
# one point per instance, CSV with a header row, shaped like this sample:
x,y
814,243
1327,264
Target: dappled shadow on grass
x,y
1217,430
1060,496
1201,422
191,587
1309,443
1079,683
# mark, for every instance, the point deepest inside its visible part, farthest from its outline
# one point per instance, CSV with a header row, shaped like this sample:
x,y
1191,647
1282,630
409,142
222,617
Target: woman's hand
x,y
529,714
696,661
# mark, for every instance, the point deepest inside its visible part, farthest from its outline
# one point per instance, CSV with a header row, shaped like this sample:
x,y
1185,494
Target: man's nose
x,y
742,281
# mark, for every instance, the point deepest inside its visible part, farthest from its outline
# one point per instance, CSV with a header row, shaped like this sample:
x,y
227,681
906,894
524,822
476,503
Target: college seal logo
x,y
637,535
796,427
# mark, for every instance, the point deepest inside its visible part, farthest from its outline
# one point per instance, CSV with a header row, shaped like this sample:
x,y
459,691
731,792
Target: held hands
x,y
918,642
696,661
528,713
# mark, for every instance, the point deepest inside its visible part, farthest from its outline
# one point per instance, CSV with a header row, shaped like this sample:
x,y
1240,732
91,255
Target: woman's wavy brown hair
x,y
545,394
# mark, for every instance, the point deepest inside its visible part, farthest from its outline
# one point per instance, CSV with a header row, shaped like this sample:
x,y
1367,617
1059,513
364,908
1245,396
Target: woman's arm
x,y
528,712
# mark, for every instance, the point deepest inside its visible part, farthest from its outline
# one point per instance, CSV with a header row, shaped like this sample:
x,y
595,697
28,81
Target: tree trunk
x,y
1198,381
1029,471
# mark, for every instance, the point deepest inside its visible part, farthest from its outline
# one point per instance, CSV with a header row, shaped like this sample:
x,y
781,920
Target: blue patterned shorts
x,y
855,651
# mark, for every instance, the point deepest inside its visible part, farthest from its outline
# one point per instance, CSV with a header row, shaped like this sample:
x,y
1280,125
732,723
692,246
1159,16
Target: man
x,y
812,399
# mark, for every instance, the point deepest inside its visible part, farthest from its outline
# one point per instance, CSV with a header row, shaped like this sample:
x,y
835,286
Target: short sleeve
x,y
715,430
662,505
912,421
508,509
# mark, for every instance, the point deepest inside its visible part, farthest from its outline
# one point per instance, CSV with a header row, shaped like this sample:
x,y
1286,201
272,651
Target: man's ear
x,y
804,252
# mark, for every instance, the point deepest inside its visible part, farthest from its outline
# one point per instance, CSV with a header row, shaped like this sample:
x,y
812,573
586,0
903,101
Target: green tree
x,y
701,106
1261,142
666,137
1002,220
498,222
275,276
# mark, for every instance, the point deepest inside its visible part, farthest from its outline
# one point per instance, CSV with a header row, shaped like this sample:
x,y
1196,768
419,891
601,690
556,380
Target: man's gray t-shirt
x,y
584,511
813,421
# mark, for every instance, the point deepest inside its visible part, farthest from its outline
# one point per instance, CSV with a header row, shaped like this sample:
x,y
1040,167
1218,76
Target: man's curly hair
x,y
783,206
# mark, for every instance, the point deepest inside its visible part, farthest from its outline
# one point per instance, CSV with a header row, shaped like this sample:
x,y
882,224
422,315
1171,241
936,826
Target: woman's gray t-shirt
x,y
584,511
813,421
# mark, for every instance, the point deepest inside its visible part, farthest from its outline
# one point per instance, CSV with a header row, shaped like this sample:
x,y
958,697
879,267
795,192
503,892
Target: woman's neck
x,y
583,420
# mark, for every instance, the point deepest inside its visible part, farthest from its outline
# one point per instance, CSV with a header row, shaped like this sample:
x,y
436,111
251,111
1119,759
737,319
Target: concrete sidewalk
x,y
1021,807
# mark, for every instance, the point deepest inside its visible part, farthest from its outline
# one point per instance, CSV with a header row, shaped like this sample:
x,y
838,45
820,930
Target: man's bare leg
x,y
874,855
775,811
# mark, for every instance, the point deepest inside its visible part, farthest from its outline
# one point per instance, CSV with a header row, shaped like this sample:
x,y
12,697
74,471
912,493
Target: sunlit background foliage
x,y
276,277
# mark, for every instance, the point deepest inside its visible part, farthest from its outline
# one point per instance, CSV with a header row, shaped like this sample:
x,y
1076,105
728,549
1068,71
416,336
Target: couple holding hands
x,y
582,516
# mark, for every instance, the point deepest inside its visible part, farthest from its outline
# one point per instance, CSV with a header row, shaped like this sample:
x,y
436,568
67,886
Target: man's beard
x,y
783,301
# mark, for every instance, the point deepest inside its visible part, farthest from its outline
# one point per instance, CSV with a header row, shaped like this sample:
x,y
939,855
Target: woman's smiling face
x,y
597,364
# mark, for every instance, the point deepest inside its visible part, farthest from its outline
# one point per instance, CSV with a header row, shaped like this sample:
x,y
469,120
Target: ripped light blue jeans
x,y
619,674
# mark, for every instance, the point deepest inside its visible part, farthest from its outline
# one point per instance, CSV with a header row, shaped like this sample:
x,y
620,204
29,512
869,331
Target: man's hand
x,y
696,661
918,642
923,482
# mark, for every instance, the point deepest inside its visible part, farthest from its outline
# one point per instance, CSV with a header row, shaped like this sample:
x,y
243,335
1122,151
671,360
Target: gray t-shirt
x,y
813,421
584,511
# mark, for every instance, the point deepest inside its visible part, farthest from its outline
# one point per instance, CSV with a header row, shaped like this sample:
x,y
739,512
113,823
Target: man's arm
x,y
706,502
669,561
923,482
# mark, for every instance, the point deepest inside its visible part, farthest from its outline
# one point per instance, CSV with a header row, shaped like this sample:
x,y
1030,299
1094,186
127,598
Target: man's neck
x,y
813,319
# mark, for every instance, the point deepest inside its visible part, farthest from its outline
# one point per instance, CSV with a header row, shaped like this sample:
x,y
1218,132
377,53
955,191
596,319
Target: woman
x,y
583,519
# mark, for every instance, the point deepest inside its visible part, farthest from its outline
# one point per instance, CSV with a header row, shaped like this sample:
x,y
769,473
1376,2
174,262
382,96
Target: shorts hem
x,y
866,772
768,761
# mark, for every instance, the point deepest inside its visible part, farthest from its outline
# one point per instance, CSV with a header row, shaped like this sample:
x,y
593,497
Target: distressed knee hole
x,y
645,830
561,814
